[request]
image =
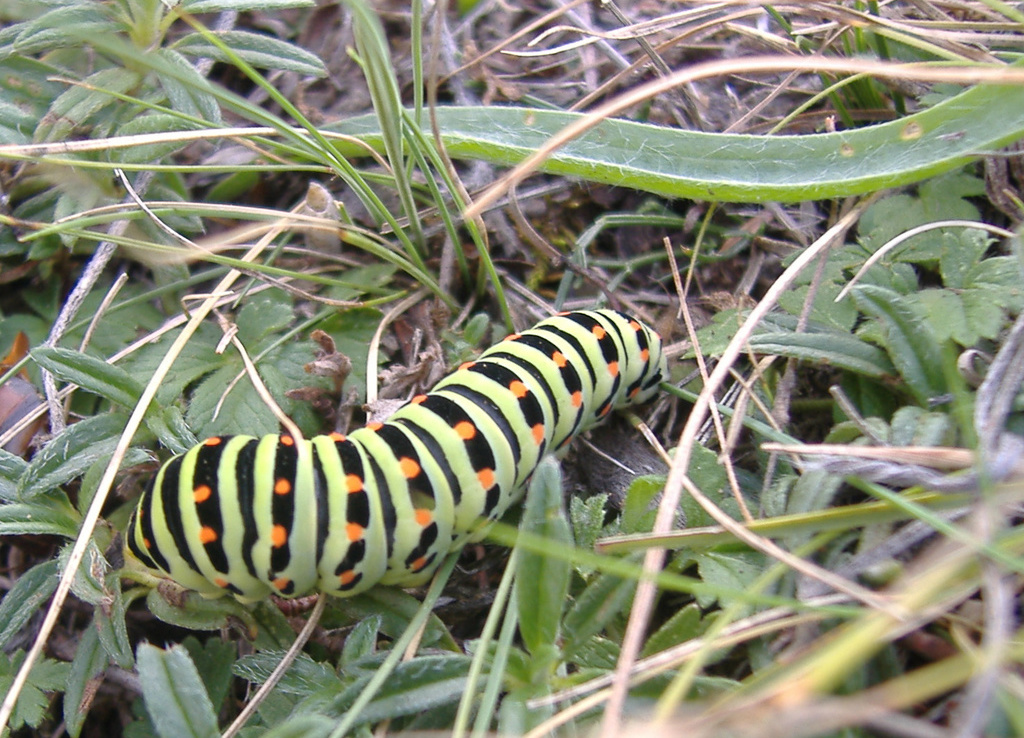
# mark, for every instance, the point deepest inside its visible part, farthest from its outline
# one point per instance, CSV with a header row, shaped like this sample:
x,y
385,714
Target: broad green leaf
x,y
912,346
733,571
362,641
542,582
424,683
71,453
304,677
47,515
731,167
604,599
22,601
829,348
684,625
261,51
91,374
175,696
109,619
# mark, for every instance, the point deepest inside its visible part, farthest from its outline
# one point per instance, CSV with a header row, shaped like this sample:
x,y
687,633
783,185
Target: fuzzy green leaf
x,y
46,515
912,346
604,599
23,600
71,453
263,52
831,348
174,693
89,373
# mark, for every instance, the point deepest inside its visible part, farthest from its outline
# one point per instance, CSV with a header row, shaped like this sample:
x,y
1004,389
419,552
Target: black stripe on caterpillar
x,y
258,516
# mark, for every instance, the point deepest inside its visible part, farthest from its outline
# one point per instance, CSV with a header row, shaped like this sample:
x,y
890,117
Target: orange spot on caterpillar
x,y
645,354
409,467
354,531
518,389
512,337
424,517
207,535
418,400
613,368
538,433
346,577
634,325
278,536
466,365
418,563
147,543
221,582
215,441
282,486
201,493
337,437
353,483
634,392
599,332
577,398
375,426
281,583
465,430
287,441
559,358
486,477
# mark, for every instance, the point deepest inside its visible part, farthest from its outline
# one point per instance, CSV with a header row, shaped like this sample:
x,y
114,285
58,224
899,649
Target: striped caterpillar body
x,y
338,514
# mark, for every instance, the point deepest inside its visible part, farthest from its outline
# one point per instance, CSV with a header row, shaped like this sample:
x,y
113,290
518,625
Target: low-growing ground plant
x,y
223,217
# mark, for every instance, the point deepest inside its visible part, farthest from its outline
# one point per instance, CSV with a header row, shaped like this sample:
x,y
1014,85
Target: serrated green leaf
x,y
23,601
89,373
542,582
90,659
424,683
304,677
912,346
262,52
46,675
587,518
604,599
735,571
174,694
72,452
684,625
362,641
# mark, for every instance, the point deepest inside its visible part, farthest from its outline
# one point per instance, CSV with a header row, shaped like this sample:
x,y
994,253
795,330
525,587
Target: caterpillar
x,y
333,513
